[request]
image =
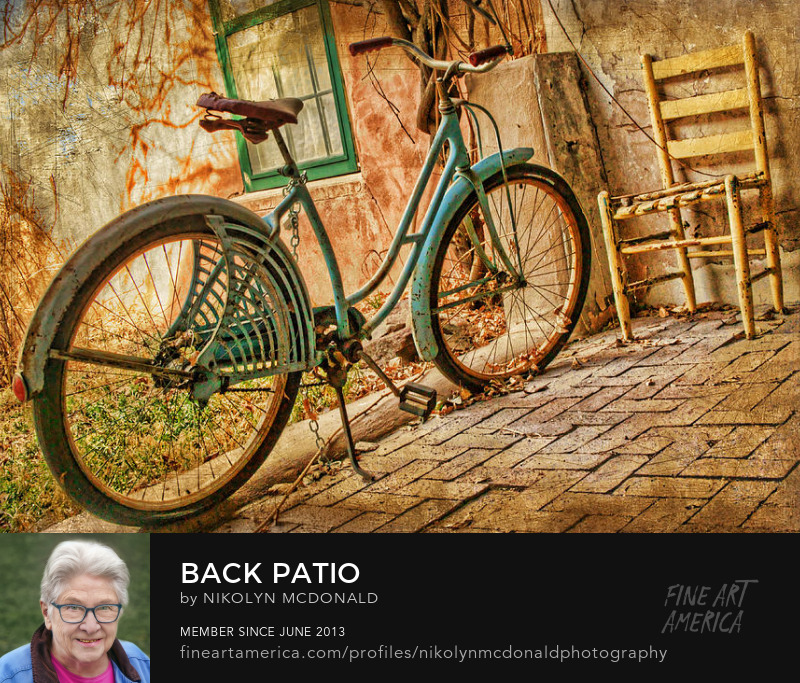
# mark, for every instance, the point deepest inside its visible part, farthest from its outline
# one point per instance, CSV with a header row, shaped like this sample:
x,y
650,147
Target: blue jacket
x,y
32,664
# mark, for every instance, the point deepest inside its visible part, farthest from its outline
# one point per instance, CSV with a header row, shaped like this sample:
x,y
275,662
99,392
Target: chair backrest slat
x,y
705,104
684,139
711,144
697,61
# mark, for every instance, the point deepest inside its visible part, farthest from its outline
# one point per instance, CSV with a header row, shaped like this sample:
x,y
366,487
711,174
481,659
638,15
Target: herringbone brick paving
x,y
689,429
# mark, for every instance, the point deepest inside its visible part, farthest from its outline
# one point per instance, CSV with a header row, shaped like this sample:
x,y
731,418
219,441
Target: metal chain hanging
x,y
294,223
294,241
313,425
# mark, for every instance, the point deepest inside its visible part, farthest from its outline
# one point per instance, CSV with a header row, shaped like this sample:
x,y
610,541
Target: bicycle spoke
x,y
489,329
130,420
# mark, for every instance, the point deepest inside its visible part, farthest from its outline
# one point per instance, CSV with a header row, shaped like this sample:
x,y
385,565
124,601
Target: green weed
x,y
30,499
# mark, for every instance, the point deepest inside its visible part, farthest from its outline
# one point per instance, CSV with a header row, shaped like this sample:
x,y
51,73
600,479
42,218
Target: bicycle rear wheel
x,y
118,421
492,325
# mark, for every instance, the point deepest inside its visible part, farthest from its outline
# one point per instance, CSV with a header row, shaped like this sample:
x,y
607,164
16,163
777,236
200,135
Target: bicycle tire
x,y
131,446
486,327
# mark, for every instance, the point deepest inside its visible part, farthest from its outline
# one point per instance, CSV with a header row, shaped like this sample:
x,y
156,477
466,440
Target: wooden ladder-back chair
x,y
722,187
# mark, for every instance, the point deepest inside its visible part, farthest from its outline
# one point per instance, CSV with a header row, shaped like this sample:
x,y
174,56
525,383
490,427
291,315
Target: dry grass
x,y
28,259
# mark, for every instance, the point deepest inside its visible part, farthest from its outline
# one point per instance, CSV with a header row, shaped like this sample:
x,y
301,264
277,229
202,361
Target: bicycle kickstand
x,y
351,447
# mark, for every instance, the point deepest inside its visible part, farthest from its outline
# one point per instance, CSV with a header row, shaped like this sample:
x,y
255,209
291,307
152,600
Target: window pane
x,y
236,8
285,57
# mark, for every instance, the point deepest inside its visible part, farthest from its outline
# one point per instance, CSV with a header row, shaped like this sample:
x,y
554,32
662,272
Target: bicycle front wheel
x,y
118,420
492,321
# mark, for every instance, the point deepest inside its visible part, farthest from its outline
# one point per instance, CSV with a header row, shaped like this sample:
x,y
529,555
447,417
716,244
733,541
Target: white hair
x,y
73,558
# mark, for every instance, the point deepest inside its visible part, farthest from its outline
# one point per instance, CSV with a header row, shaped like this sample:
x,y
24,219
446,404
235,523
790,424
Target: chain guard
x,y
247,306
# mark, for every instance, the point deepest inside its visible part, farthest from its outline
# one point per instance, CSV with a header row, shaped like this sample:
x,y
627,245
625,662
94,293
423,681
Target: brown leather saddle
x,y
260,117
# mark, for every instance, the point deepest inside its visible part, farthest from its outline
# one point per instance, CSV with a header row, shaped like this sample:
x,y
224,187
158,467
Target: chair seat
x,y
678,196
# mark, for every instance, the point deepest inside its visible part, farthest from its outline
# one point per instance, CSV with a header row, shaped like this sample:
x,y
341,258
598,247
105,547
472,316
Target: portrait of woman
x,y
84,593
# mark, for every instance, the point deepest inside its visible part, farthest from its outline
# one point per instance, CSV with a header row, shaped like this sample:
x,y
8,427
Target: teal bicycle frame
x,y
457,182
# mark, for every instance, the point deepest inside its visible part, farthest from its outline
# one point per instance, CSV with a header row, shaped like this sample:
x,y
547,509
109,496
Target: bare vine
x,y
28,258
150,49
441,28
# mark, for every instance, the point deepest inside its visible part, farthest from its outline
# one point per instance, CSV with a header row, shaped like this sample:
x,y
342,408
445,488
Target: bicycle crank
x,y
416,399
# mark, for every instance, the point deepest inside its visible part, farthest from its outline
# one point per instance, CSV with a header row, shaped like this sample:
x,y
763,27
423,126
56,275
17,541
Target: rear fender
x,y
54,305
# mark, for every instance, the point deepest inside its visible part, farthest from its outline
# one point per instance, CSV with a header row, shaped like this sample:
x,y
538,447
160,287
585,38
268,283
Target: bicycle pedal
x,y
418,400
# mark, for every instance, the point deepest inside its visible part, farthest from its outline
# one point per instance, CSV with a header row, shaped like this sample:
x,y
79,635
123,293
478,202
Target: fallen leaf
x,y
308,411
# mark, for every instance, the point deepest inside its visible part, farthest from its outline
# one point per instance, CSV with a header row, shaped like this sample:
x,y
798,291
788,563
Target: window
x,y
285,48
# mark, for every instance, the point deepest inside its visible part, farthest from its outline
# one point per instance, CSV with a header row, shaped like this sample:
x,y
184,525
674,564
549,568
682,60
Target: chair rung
x,y
723,253
763,273
676,244
647,238
653,280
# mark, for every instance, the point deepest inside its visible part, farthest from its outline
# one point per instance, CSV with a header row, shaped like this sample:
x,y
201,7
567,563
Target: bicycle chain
x,y
294,242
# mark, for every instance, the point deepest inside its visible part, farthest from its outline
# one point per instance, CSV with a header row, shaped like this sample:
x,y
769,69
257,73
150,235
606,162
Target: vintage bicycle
x,y
164,359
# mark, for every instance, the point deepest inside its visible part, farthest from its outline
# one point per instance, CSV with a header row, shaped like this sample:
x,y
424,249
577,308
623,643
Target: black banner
x,y
231,605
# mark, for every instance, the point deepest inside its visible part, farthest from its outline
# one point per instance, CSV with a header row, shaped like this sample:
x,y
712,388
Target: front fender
x,y
54,305
458,191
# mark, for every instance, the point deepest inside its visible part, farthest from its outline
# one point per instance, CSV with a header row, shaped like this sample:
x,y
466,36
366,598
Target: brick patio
x,y
689,429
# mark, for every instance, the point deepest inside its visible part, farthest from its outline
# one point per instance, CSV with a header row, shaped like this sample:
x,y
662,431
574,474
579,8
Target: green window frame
x,y
324,117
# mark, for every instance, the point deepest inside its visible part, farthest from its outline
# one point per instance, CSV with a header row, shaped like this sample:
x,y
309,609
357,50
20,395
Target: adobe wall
x,y
106,149
538,102
121,136
611,36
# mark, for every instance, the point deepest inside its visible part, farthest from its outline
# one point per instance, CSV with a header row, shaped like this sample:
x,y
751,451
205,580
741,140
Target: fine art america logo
x,y
706,609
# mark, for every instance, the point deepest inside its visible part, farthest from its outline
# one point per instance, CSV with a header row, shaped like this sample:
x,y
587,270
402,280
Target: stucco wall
x,y
126,132
611,36
537,102
106,148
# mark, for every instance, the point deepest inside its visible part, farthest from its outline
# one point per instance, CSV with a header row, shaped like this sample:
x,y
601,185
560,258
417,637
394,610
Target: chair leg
x,y
740,258
617,266
771,246
683,260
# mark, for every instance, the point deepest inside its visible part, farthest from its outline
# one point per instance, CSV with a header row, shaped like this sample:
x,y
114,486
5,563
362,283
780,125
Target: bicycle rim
x,y
494,325
136,444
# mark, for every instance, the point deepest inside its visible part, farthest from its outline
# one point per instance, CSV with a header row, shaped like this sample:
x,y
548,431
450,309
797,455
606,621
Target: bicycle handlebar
x,y
479,62
487,55
363,46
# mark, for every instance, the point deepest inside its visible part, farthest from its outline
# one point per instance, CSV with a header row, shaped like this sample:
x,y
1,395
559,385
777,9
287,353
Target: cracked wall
x,y
126,131
612,36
